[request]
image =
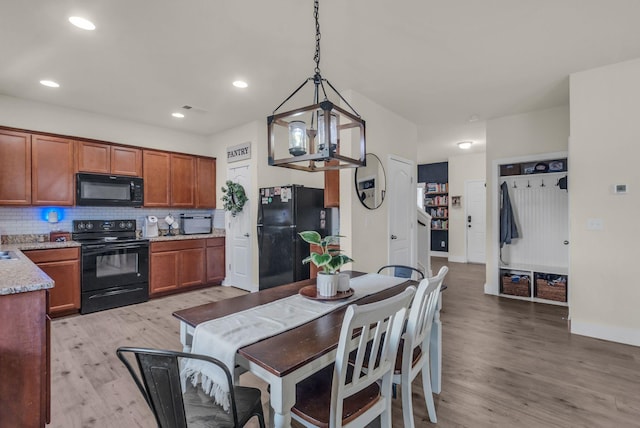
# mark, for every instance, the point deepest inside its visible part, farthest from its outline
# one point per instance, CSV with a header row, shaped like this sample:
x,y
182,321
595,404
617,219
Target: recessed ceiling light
x,y
464,145
83,23
178,115
240,84
50,83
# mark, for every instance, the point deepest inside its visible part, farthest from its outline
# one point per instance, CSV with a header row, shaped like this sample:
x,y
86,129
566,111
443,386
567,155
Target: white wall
x,y
262,175
537,132
366,231
604,150
461,169
34,116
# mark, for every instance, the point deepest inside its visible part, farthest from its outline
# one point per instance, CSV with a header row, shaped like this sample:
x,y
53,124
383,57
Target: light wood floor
x,y
507,363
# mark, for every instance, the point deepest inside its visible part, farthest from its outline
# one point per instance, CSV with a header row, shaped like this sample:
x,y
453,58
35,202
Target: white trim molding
x,y
630,336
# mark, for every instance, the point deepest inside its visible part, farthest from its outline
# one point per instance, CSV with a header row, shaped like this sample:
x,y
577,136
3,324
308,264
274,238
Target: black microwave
x,y
109,190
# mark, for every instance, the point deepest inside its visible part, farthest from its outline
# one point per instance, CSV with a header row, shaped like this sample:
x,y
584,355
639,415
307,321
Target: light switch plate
x,y
595,224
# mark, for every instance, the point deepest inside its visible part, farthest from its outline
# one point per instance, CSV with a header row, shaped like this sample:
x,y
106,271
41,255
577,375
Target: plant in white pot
x,y
329,261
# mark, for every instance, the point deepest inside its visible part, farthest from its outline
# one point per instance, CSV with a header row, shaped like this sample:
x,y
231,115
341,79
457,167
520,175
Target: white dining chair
x,y
342,394
414,351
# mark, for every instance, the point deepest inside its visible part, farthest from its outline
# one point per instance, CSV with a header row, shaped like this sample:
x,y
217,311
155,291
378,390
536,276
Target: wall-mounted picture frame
x,y
456,201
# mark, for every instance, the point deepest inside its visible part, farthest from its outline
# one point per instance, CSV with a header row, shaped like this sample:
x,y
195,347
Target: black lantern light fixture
x,y
319,137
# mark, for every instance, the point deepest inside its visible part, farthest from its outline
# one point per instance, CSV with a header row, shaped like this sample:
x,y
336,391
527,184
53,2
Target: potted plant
x,y
330,260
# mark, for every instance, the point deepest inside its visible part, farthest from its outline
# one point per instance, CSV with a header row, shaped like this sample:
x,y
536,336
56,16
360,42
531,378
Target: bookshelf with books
x,y
436,203
434,178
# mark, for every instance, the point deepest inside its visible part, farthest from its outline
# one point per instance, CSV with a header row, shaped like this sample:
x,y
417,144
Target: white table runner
x,y
221,338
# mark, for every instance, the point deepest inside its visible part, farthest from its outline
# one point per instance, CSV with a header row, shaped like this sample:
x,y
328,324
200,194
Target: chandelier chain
x,y
316,57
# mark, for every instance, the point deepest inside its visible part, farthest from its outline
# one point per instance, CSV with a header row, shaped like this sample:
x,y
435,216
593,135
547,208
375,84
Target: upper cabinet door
x,y
206,183
15,168
52,170
93,157
126,161
156,173
183,180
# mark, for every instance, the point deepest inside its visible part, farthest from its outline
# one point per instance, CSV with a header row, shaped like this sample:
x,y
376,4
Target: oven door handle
x,y
115,292
97,249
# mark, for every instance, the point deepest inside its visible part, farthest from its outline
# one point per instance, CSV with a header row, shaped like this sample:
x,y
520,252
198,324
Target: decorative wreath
x,y
234,197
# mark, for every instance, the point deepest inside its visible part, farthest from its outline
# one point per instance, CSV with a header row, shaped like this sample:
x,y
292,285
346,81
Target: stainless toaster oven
x,y
195,224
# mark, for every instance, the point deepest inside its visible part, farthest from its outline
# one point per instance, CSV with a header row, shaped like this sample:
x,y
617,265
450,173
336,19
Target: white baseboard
x,y
457,259
439,254
629,336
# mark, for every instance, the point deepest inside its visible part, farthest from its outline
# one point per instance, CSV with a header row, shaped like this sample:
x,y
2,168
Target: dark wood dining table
x,y
286,358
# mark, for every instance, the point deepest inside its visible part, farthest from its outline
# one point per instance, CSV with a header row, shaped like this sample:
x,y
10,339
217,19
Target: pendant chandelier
x,y
318,137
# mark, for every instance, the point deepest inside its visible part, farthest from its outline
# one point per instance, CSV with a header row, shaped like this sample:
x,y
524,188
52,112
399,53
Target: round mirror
x,y
370,182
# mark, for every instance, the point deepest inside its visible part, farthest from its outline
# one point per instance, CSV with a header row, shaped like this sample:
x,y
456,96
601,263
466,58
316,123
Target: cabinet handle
x,y
394,237
566,242
246,235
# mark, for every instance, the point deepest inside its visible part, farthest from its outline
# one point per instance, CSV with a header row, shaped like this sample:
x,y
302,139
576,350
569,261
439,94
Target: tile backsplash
x,y
33,220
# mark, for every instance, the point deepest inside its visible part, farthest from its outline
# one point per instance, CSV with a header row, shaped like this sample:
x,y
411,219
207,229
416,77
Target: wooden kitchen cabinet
x,y
24,360
93,157
175,265
63,266
205,182
52,174
15,168
156,168
332,186
183,180
126,161
108,159
216,269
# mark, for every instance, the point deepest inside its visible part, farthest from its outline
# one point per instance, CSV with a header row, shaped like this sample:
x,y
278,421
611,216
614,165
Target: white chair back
x,y
422,311
418,334
380,323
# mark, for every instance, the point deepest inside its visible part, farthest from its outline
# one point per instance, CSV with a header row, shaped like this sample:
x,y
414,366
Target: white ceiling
x,y
435,63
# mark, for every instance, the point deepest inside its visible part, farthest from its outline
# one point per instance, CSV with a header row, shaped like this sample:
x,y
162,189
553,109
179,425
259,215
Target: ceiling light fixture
x,y
178,115
240,84
465,145
50,83
312,138
83,23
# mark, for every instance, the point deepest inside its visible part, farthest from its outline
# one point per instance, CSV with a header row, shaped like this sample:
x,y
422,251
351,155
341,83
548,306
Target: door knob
x,y
394,237
246,235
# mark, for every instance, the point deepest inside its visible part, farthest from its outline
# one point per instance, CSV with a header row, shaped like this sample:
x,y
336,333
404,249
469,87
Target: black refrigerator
x,y
283,212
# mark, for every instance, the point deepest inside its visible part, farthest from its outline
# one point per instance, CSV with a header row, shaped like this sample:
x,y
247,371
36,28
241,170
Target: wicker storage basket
x,y
516,285
551,290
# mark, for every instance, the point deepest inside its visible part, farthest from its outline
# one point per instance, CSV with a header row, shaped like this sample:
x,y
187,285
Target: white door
x,y
238,231
401,197
475,209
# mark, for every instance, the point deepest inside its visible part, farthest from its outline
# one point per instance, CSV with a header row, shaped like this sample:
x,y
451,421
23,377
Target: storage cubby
x,y
550,286
541,284
514,283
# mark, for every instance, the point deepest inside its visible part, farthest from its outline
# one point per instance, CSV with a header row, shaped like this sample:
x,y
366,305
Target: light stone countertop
x,y
217,233
22,275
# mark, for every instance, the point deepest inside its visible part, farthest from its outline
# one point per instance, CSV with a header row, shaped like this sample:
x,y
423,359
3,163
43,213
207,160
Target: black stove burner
x,y
103,230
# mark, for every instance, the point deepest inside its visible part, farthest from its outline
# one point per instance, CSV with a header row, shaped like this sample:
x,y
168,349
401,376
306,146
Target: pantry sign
x,y
239,152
